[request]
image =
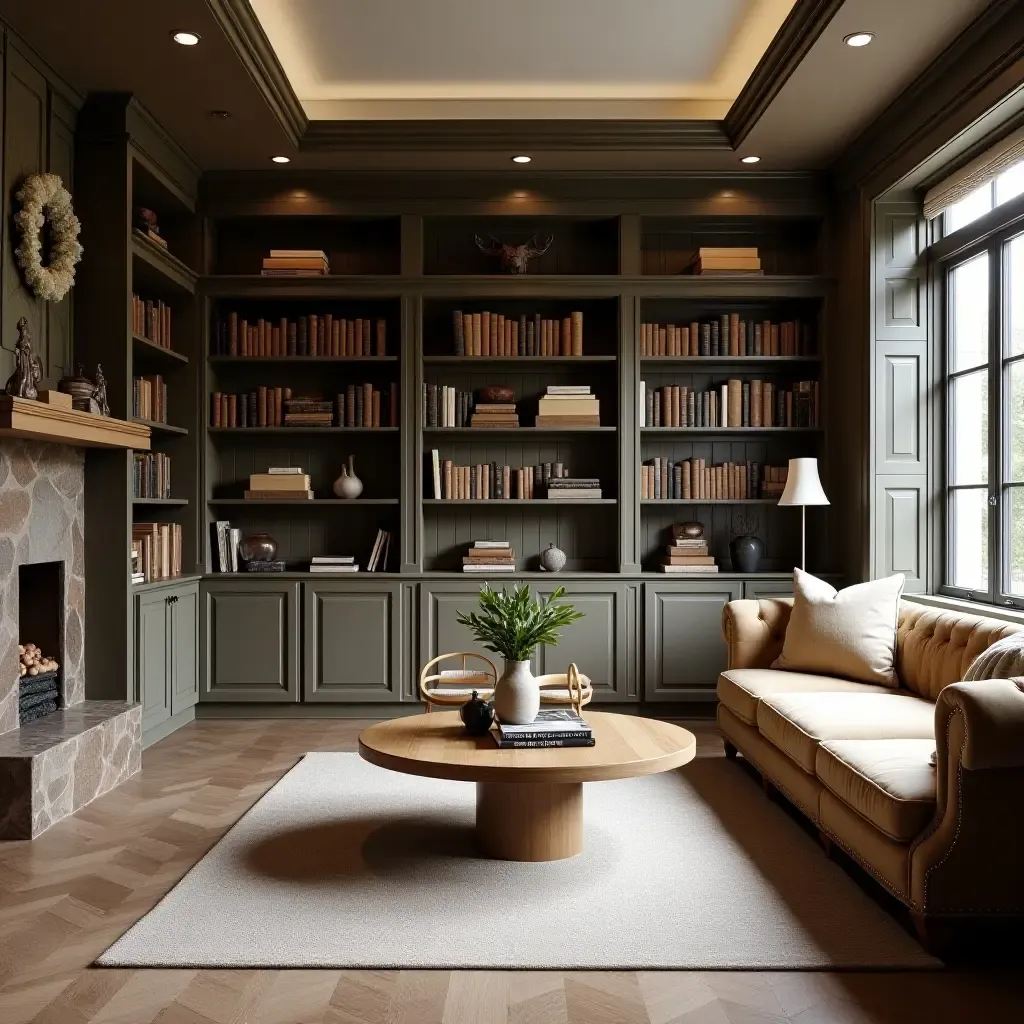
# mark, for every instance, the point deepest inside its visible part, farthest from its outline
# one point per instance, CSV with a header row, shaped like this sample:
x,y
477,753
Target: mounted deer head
x,y
514,258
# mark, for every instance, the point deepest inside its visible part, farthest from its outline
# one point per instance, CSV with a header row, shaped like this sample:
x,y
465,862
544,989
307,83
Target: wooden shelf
x,y
521,502
160,501
303,359
22,417
512,431
160,428
709,501
146,348
728,360
259,431
731,430
303,503
504,361
170,268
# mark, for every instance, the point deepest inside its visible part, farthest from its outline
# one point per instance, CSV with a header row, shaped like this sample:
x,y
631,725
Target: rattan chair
x,y
451,688
571,688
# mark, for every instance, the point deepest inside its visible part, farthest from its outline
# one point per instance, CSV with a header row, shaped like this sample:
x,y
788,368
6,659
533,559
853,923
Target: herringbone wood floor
x,y
65,897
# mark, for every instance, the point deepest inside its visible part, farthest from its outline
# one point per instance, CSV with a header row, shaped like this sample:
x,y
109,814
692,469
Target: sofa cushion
x,y
849,633
796,722
740,689
889,782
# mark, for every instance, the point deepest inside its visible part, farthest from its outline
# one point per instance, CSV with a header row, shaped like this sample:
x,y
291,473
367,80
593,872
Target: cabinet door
x,y
152,672
597,642
439,632
351,641
684,650
184,645
780,587
249,638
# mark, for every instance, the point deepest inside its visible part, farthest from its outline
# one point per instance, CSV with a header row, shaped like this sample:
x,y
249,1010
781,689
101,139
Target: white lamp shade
x,y
802,484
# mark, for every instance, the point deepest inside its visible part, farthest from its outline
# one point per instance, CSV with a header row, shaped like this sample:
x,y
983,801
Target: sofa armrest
x,y
993,719
968,861
754,631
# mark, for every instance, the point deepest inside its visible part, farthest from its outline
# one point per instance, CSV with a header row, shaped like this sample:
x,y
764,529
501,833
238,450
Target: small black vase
x,y
476,715
747,553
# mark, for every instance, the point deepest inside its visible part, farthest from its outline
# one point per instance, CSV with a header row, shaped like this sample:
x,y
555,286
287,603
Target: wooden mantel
x,y
22,417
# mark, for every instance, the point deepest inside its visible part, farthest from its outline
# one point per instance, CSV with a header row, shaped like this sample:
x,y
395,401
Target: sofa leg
x,y
730,750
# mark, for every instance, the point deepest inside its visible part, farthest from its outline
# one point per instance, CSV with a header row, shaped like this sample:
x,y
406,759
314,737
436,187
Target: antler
x,y
532,249
492,248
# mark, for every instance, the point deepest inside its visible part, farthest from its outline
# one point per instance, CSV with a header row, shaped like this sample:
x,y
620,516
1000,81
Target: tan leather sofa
x,y
948,841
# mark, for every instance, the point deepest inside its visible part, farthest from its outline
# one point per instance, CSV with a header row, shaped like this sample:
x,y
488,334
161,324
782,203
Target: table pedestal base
x,y
529,821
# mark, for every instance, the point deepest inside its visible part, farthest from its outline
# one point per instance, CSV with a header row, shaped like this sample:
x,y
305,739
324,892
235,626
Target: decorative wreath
x,y
44,196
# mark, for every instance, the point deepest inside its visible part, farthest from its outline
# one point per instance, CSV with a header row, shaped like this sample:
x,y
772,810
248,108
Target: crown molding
x,y
797,34
243,31
538,135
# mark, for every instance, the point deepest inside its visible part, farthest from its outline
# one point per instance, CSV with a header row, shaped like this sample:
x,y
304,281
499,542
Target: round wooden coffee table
x,y
529,803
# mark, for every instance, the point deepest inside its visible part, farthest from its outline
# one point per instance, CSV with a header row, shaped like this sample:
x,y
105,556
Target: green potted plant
x,y
514,625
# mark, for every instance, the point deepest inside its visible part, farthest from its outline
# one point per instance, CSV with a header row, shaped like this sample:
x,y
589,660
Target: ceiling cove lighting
x,y
750,159
858,38
521,159
281,159
185,38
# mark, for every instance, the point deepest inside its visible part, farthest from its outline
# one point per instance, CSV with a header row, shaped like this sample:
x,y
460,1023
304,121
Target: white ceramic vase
x,y
348,485
516,694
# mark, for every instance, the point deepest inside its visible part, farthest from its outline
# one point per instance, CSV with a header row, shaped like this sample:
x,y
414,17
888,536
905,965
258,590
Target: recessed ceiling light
x,y
186,38
521,159
750,159
281,159
858,38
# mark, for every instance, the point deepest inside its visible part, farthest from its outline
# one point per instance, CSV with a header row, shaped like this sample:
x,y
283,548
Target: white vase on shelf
x,y
516,694
348,485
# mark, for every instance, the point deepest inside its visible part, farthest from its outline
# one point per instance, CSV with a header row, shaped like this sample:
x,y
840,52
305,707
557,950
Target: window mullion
x,y
996,430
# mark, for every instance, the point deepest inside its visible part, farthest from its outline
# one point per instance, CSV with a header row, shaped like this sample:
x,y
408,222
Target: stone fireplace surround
x,y
52,767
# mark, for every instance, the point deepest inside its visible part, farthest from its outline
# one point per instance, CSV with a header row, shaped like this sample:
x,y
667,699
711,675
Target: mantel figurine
x,y
28,370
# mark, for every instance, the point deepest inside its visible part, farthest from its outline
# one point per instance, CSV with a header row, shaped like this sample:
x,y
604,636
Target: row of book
x,y
727,335
149,398
295,263
360,405
151,475
736,403
489,481
444,406
489,556
553,727
694,479
688,554
151,320
312,335
156,551
494,334
725,259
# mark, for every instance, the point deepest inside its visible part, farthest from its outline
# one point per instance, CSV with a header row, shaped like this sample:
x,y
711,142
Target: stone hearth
x,y
51,767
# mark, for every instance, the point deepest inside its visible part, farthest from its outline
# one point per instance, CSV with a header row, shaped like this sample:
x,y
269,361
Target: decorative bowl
x,y
691,530
497,393
258,547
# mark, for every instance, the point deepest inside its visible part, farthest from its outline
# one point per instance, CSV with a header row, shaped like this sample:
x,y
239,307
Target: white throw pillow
x,y
849,633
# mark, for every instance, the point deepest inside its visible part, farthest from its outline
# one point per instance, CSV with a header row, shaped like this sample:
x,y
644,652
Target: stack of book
x,y
726,260
568,405
490,556
494,334
572,488
149,398
378,560
310,411
333,563
151,320
494,414
553,727
295,263
224,554
688,554
280,483
159,547
138,576
151,475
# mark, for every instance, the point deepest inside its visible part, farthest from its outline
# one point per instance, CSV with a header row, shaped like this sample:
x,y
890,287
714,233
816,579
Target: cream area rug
x,y
345,865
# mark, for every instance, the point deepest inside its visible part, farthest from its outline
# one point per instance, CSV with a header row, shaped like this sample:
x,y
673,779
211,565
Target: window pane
x,y
968,434
969,539
1015,422
969,313
1010,183
1015,541
1015,290
971,207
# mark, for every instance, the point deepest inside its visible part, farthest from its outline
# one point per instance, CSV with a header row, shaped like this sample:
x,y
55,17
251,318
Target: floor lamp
x,y
803,488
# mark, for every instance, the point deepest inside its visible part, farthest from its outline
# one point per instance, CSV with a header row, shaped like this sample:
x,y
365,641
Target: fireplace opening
x,y
40,635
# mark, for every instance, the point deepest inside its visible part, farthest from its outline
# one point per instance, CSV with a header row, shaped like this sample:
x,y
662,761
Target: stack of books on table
x,y
569,488
726,260
308,412
333,563
688,554
553,727
490,556
280,483
568,405
494,414
295,263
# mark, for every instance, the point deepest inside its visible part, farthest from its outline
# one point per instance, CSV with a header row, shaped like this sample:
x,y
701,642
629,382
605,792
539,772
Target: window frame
x,y
991,233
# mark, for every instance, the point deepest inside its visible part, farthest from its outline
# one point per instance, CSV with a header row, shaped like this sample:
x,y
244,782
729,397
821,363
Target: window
x,y
985,411
999,190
